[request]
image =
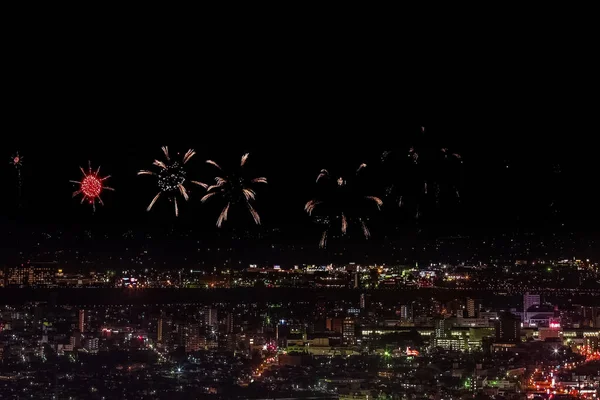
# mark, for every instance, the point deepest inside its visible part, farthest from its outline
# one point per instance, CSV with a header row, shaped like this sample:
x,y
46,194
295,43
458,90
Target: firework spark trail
x,y
377,201
254,214
183,192
324,174
310,206
171,178
223,216
204,185
211,162
190,153
207,196
244,159
91,186
153,201
165,150
235,189
366,231
249,194
344,224
361,167
160,164
323,241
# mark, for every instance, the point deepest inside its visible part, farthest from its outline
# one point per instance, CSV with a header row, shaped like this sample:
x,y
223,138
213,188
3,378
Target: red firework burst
x,y
91,186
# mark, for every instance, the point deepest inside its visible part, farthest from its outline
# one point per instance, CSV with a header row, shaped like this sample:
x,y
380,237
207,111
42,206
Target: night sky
x,y
525,169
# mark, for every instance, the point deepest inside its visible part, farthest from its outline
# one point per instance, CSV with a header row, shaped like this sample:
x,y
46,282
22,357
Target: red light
x,y
91,187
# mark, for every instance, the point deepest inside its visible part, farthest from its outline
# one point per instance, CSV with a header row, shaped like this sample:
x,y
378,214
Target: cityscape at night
x,y
236,229
285,286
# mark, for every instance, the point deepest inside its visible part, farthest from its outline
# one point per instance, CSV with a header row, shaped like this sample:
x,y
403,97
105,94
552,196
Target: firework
x,y
171,178
91,186
17,161
342,202
234,189
424,174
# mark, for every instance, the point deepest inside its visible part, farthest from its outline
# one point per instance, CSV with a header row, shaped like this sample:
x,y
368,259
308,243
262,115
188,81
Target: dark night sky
x,y
296,115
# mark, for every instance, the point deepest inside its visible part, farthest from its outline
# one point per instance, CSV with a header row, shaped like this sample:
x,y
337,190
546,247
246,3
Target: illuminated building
x,y
590,344
508,328
471,308
451,343
539,315
29,275
210,318
159,328
334,324
229,323
91,344
349,330
193,341
406,312
530,300
17,276
81,323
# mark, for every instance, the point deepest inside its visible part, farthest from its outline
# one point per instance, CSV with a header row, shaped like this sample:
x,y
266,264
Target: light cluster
x,y
91,186
171,178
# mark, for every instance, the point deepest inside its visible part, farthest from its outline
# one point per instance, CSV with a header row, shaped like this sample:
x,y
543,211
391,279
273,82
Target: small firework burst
x,y
91,186
16,160
172,178
234,188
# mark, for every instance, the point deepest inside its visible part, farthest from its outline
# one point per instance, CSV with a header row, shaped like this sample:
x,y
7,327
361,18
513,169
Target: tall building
x,y
159,327
334,324
349,330
193,341
471,308
81,323
406,312
229,325
211,318
508,328
530,300
443,327
363,301
91,344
